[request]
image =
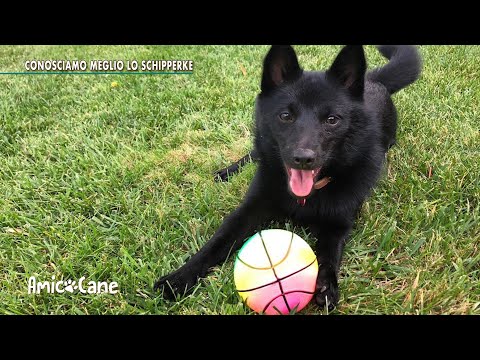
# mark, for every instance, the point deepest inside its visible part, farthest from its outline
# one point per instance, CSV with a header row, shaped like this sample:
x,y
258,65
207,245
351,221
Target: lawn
x,y
110,177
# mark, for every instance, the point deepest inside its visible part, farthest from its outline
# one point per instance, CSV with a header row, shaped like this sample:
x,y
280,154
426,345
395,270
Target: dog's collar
x,y
317,186
322,182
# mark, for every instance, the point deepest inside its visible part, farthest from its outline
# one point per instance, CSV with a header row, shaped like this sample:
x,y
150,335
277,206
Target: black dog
x,y
320,140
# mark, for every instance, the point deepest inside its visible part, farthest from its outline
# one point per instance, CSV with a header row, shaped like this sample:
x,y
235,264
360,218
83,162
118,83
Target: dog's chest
x,y
310,211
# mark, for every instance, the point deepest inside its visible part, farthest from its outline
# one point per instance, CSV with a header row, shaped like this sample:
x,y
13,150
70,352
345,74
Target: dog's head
x,y
305,119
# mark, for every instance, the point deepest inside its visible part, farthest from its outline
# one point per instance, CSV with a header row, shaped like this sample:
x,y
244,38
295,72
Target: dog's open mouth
x,y
301,181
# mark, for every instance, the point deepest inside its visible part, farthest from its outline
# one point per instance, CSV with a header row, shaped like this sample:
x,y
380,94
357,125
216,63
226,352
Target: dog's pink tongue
x,y
301,182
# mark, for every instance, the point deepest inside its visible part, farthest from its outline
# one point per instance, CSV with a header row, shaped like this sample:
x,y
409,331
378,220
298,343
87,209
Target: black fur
x,y
223,174
403,68
342,122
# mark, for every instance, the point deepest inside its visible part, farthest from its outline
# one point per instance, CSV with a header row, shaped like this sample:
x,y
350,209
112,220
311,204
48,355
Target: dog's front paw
x,y
326,292
176,283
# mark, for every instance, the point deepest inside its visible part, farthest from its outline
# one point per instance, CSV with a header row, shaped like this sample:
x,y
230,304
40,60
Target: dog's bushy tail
x,y
402,70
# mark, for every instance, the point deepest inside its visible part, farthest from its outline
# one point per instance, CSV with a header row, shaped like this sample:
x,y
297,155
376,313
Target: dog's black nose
x,y
303,157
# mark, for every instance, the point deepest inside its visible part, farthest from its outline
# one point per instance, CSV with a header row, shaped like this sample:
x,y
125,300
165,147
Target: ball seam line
x,y
275,274
282,278
287,293
271,266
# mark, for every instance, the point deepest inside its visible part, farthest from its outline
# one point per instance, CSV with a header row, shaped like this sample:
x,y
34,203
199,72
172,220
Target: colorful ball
x,y
275,272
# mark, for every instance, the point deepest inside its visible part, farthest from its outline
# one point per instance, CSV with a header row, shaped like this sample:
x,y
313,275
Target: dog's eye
x,y
286,116
332,120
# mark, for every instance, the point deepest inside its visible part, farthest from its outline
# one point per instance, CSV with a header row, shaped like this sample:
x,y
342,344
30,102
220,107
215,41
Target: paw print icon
x,y
70,286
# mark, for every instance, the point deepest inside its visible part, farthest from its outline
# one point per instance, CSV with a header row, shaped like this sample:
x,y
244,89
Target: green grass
x,y
115,183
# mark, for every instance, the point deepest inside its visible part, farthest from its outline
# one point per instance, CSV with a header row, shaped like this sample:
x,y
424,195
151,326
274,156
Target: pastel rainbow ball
x,y
275,272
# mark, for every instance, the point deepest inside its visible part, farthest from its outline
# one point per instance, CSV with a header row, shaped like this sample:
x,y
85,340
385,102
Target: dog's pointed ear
x,y
349,68
280,65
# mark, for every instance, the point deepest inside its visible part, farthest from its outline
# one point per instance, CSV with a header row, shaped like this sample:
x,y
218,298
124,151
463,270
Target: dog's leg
x,y
331,239
239,225
223,174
